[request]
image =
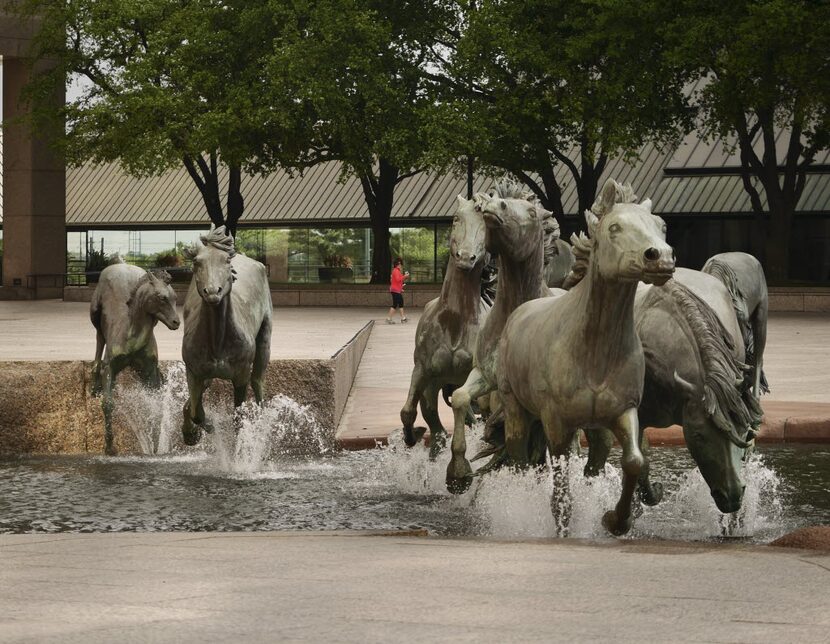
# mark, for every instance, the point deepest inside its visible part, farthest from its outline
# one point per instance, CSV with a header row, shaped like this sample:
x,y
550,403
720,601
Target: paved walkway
x,y
57,330
797,363
308,587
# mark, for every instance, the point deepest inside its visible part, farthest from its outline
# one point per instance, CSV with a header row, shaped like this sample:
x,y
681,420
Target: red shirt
x,y
396,285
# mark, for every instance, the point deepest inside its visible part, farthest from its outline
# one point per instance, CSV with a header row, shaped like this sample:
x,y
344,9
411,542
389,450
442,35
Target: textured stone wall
x,y
45,407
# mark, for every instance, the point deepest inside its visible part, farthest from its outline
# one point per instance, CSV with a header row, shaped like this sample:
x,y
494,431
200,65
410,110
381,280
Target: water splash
x,y
244,441
512,503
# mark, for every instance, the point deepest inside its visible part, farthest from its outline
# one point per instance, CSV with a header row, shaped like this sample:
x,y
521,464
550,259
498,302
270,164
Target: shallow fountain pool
x,y
391,488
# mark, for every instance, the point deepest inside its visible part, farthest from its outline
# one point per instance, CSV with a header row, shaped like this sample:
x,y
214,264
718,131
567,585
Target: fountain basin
x,y
390,489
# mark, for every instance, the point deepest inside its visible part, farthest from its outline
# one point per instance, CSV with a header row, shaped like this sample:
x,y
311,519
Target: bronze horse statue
x,y
743,275
447,330
516,230
125,307
576,361
227,326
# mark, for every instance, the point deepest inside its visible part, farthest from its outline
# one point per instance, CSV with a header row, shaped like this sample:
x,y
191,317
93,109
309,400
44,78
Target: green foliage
x,y
98,260
537,83
172,258
165,83
765,90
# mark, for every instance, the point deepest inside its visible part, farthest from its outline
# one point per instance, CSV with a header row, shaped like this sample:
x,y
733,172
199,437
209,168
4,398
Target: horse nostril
x,y
218,289
472,258
652,254
673,256
204,290
503,206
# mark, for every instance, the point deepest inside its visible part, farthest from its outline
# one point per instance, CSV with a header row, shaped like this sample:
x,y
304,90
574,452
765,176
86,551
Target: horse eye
x,y
455,220
664,228
614,228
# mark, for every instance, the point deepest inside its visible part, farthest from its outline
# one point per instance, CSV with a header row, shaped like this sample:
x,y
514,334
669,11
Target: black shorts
x,y
397,300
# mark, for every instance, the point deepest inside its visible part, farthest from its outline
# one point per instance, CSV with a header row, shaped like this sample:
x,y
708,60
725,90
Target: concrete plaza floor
x,y
317,587
57,330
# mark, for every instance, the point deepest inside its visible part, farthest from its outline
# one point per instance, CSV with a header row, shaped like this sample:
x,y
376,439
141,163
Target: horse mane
x,y
506,188
605,201
581,246
727,402
726,274
220,239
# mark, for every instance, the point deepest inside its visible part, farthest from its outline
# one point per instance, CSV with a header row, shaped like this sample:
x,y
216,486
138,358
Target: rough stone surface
x,y
812,538
307,587
45,407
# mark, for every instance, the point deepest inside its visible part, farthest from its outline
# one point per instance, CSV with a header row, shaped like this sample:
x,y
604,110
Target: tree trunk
x,y
381,255
236,204
379,192
777,243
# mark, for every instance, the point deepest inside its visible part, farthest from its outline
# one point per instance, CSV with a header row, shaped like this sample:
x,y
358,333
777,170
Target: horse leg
x,y
96,365
409,411
459,472
429,410
627,430
650,493
194,412
600,442
759,335
261,359
559,441
108,405
516,430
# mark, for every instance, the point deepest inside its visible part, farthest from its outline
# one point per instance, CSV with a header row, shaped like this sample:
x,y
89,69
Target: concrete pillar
x,y
34,199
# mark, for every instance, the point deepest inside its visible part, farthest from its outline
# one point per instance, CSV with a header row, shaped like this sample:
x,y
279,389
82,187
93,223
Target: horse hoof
x,y
611,522
651,494
413,435
191,433
459,476
591,471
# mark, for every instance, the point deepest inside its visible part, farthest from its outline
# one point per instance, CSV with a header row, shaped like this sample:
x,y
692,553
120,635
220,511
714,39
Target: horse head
x,y
213,273
629,241
718,452
515,224
467,235
157,298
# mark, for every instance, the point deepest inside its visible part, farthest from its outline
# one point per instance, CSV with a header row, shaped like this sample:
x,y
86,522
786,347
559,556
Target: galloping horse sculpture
x,y
447,330
695,377
576,361
125,308
743,275
227,326
516,232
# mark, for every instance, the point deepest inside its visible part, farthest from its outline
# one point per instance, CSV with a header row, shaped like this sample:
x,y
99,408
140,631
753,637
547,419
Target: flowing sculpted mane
x,y
722,398
220,239
726,274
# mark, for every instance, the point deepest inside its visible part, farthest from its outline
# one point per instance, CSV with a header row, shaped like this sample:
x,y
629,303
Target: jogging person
x,y
396,284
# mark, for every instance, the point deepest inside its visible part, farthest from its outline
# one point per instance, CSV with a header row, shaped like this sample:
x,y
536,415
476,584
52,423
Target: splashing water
x,y
510,503
244,441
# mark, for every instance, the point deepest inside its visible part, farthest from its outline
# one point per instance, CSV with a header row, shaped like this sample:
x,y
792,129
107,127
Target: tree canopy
x,y
767,90
535,84
166,84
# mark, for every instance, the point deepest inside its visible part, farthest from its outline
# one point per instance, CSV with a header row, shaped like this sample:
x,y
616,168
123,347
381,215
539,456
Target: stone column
x,y
34,199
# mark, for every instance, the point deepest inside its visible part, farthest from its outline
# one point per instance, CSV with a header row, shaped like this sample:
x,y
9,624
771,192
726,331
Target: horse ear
x,y
646,203
190,252
461,201
162,276
606,199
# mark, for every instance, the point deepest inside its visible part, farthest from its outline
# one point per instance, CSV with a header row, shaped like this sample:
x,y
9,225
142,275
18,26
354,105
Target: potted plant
x,y
96,261
336,268
173,262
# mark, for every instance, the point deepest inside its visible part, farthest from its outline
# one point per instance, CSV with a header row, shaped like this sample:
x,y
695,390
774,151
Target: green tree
x,y
532,84
359,69
165,84
767,89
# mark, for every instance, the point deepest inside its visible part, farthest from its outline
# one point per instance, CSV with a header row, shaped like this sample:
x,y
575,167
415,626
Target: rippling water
x,y
266,488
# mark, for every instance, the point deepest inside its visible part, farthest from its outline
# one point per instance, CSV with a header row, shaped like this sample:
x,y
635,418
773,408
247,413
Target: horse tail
x,y
95,309
726,392
725,274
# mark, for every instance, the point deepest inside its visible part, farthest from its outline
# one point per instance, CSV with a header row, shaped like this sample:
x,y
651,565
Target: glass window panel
x,y
442,236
